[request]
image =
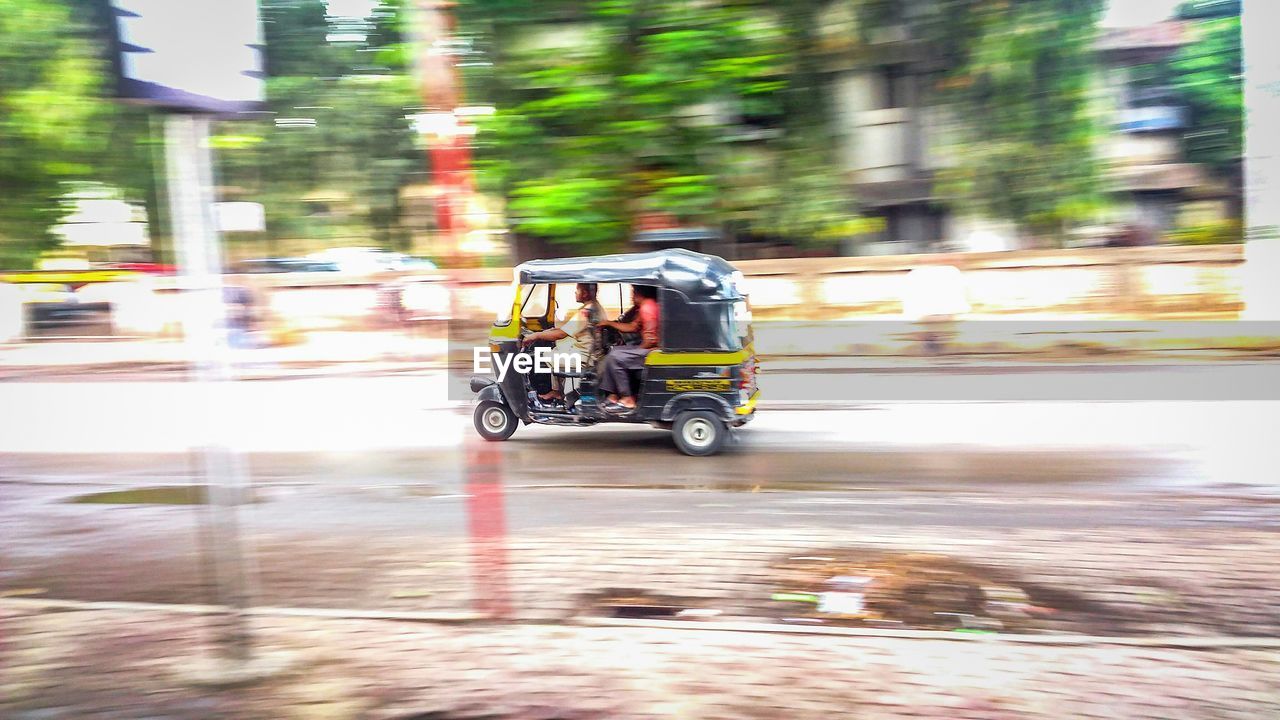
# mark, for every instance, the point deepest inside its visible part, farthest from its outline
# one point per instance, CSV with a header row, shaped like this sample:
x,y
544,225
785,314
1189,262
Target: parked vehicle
x,y
366,260
282,265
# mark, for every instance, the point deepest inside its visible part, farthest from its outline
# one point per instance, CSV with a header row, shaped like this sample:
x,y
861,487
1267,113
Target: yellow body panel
x,y
658,357
699,385
70,277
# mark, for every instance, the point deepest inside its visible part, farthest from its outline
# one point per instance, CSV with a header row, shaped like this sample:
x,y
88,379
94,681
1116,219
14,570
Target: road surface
x,y
345,468
1172,443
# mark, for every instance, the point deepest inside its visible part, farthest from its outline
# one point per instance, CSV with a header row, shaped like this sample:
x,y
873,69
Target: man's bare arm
x,y
630,327
551,335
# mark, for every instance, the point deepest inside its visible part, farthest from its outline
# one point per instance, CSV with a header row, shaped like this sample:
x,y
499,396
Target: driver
x,y
578,334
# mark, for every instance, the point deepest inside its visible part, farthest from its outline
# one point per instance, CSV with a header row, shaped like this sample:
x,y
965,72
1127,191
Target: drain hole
x,y
646,611
641,605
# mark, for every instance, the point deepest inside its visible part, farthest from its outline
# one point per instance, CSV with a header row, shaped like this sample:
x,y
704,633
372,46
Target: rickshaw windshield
x,y
534,300
506,308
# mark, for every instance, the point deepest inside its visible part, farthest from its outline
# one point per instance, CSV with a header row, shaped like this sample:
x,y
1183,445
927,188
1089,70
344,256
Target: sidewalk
x,y
1117,613
325,353
1131,582
869,344
388,353
136,664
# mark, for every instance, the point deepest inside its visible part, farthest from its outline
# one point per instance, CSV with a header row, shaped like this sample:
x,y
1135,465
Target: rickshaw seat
x,y
578,375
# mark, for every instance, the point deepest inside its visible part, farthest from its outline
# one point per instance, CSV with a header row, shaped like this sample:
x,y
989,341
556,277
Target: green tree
x,y
1019,88
361,145
48,120
1208,74
642,106
608,112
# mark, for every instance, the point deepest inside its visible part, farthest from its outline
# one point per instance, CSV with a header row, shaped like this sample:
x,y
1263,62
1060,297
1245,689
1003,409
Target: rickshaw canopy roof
x,y
697,276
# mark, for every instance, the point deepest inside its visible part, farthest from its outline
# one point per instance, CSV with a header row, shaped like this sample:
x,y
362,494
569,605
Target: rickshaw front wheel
x,y
494,421
698,432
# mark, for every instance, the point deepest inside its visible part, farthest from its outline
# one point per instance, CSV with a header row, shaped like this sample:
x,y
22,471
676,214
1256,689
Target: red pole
x,y
441,86
487,525
450,156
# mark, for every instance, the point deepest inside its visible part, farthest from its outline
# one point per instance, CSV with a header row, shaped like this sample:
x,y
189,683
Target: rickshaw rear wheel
x,y
698,432
494,421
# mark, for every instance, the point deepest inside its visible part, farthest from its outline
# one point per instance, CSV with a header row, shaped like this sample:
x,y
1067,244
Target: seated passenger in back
x,y
613,374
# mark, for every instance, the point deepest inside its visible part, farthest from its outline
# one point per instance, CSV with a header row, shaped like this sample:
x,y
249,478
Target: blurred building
x,y
1156,188
892,146
892,134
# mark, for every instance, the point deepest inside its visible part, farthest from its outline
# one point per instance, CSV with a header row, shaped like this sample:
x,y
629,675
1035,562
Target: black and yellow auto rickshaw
x,y
699,382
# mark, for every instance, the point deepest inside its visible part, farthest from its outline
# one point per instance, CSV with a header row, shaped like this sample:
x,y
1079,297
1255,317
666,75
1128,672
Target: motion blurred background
x,y
1019,142
1080,472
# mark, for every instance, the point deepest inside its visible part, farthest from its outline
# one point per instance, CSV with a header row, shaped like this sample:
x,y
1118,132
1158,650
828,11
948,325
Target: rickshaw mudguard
x,y
697,401
491,393
510,389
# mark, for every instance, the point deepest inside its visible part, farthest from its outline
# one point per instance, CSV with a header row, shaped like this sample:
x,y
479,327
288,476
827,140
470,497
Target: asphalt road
x,y
340,421
351,462
394,451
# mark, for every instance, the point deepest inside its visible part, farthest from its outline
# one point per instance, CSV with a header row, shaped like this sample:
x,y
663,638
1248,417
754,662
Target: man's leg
x,y
563,361
631,358
605,384
618,374
619,382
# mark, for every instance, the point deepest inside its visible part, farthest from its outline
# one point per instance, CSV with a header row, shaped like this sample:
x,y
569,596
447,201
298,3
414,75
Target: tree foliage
x,y
608,110
711,112
360,151
693,110
48,113
1019,85
1208,75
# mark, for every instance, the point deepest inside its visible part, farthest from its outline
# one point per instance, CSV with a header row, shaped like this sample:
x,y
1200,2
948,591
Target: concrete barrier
x,y
1131,285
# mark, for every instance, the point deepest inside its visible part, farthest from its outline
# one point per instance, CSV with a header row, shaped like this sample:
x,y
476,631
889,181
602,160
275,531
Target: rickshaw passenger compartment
x,y
637,381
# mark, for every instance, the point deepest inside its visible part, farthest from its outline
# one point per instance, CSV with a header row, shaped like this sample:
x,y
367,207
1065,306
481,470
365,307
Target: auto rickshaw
x,y
699,382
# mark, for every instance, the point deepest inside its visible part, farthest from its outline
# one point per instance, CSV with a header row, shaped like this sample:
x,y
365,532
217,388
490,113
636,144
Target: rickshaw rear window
x,y
742,321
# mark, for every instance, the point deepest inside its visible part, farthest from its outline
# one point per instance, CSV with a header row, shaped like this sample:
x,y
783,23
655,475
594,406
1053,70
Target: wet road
x,y
388,453
368,422
337,530
353,462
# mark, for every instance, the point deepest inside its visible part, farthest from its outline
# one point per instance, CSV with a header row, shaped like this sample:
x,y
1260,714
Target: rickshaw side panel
x,y
668,388
697,401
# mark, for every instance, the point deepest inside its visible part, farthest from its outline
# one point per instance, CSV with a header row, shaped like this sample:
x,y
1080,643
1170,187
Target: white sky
x,y
1127,13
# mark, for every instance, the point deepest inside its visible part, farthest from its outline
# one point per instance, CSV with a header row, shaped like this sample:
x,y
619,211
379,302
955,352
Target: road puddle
x,y
691,484
160,495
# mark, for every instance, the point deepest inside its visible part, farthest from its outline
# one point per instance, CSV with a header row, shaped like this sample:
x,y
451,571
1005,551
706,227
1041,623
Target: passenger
x,y
613,375
578,334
